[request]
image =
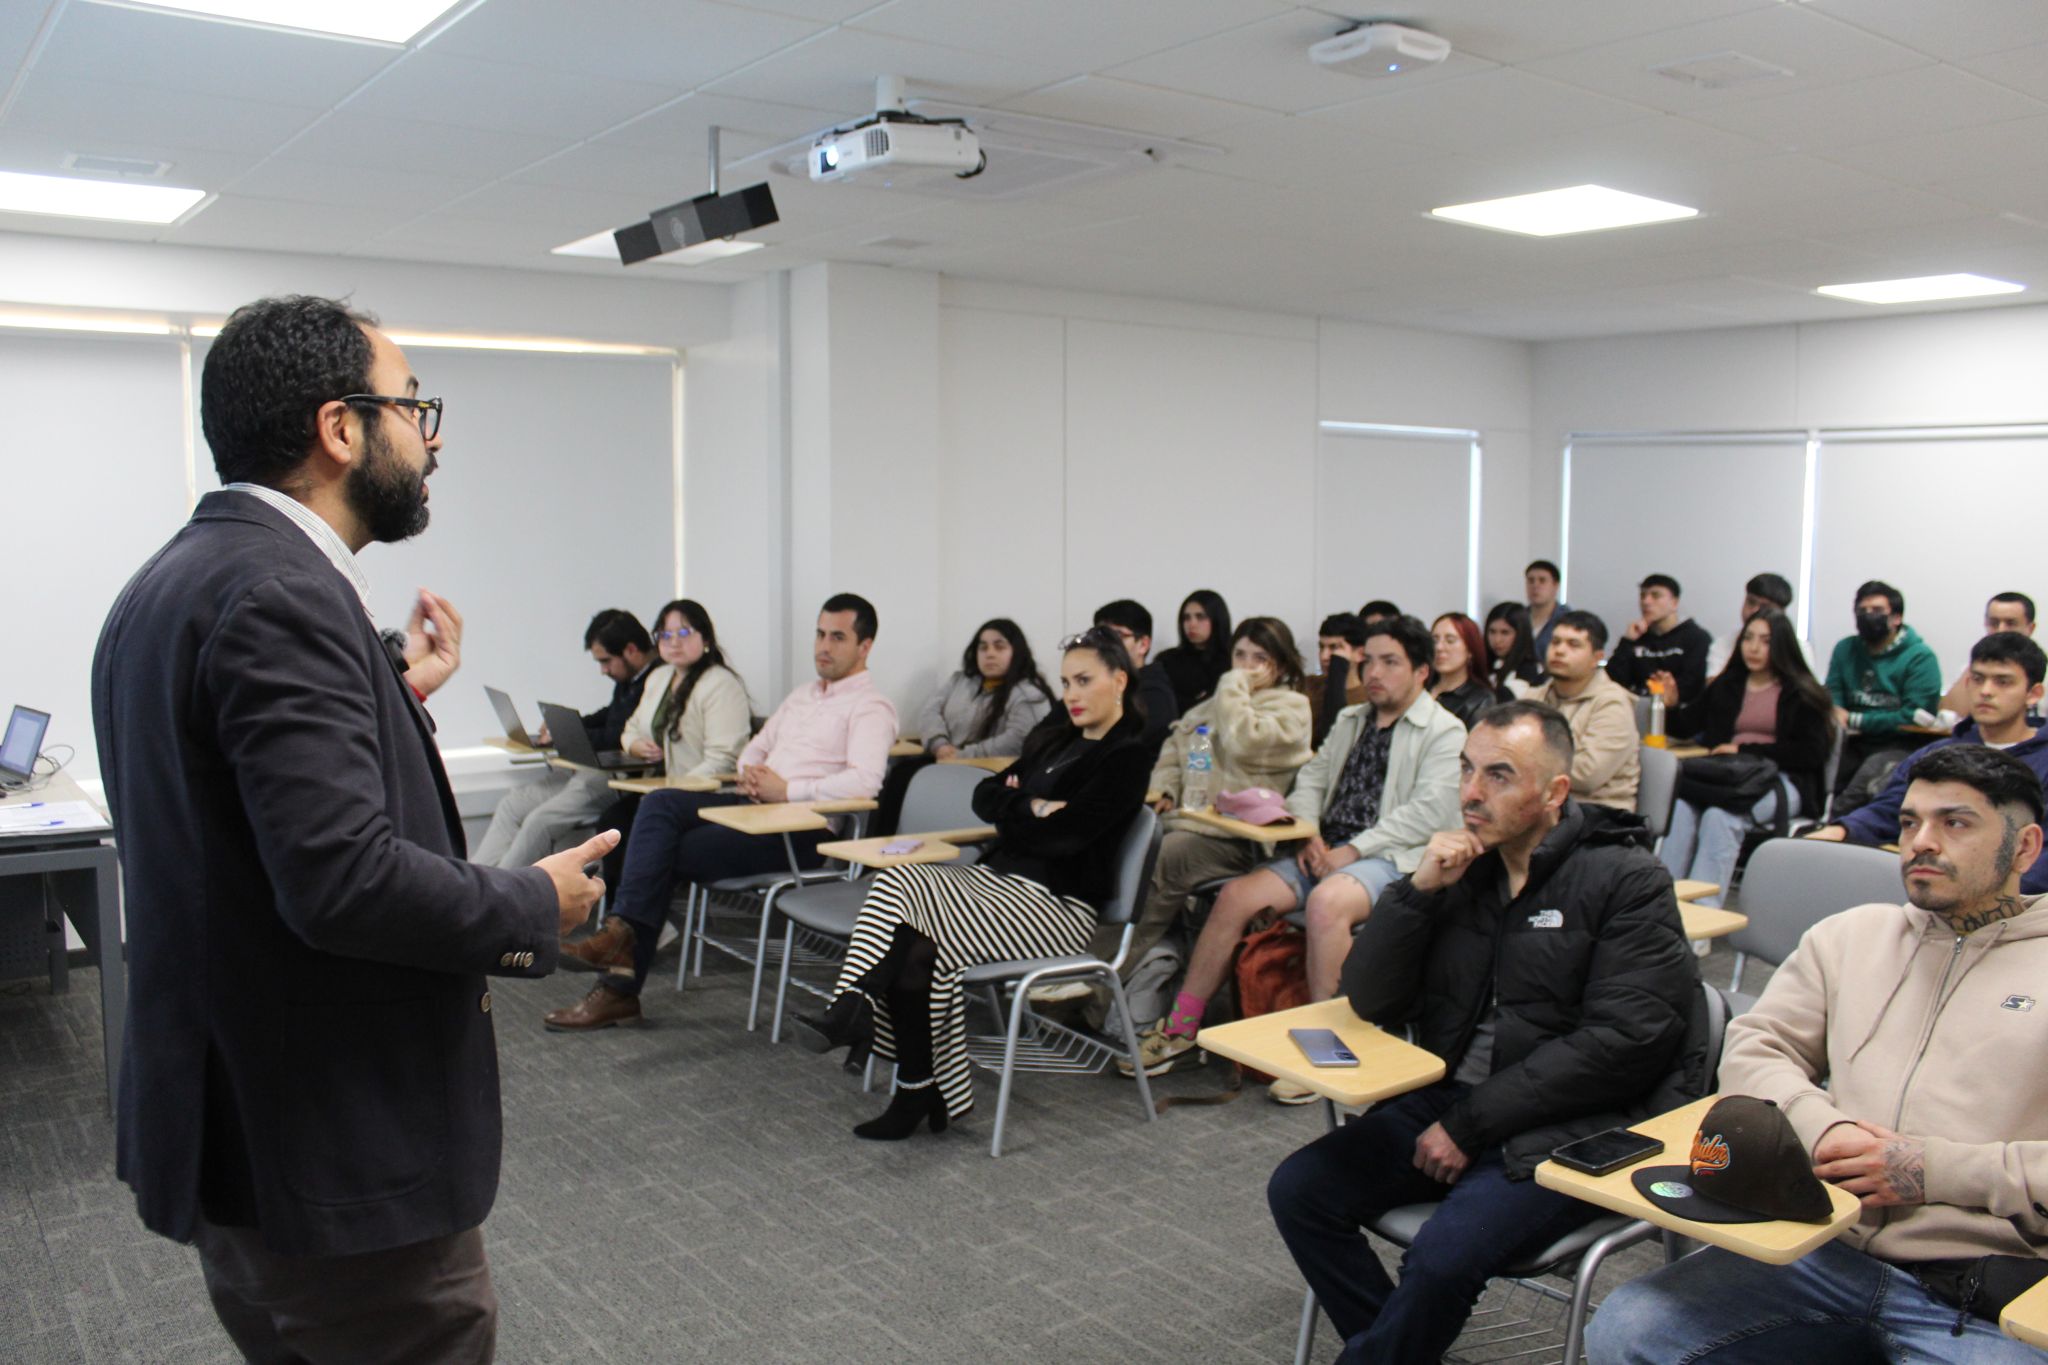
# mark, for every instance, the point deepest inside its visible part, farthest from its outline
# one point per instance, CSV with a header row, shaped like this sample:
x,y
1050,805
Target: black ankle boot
x,y
849,1023
908,1107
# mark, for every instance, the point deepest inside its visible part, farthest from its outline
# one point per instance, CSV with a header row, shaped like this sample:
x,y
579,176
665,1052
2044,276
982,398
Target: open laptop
x,y
508,716
22,745
572,741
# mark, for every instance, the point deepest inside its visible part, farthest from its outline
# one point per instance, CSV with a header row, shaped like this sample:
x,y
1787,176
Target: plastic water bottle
x,y
1655,739
1194,785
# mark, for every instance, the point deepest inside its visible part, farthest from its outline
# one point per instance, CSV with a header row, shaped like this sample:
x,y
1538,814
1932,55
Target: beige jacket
x,y
1931,1035
1606,767
1420,796
1260,739
717,722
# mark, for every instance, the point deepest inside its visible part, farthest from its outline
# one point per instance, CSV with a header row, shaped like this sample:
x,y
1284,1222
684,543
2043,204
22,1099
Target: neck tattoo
x,y
1969,921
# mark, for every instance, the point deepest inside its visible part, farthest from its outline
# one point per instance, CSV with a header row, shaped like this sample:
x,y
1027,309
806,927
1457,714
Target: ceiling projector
x,y
1380,50
893,146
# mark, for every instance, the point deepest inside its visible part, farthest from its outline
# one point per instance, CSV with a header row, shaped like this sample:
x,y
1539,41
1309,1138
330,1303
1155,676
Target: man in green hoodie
x,y
1878,677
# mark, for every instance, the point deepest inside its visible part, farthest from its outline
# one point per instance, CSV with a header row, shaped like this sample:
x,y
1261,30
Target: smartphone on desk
x,y
898,847
1605,1153
1322,1047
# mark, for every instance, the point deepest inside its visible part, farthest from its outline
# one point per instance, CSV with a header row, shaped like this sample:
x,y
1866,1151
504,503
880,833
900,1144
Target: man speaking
x,y
309,1085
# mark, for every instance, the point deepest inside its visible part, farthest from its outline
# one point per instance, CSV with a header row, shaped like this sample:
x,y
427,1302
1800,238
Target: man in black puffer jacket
x,y
1538,951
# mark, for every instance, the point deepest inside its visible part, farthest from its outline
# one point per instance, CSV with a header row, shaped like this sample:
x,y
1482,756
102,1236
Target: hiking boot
x,y
1159,1051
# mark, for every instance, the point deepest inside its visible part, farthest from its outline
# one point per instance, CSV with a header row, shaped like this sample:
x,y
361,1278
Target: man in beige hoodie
x,y
1906,1046
1606,762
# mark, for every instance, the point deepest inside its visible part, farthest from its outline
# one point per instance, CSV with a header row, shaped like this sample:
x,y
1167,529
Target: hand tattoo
x,y
1905,1170
1968,922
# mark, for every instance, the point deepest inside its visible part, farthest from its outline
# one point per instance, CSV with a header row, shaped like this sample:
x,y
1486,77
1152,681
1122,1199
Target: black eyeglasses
x,y
426,411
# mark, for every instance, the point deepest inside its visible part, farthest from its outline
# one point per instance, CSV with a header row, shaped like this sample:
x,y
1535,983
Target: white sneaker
x,y
1290,1092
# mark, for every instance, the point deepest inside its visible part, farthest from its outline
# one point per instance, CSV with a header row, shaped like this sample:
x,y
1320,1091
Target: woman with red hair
x,y
1457,668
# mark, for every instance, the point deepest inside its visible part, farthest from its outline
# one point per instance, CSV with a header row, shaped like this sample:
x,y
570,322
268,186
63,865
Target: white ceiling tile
x,y
19,24
234,221
1947,31
1109,103
838,68
677,44
189,53
432,88
1953,154
94,110
1082,35
547,207
318,182
2024,69
44,153
1900,104
1943,247
747,127
1817,50
818,11
1525,32
355,137
1482,112
1267,64
2025,194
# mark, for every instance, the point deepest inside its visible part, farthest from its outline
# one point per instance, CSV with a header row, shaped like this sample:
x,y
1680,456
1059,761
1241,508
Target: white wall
x,y
1893,515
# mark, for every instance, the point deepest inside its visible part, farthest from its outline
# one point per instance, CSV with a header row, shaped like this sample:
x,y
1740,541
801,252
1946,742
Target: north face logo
x,y
1547,919
2022,1003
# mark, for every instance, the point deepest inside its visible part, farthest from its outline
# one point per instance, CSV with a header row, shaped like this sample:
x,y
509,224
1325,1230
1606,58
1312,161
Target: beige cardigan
x,y
1260,739
1934,1036
717,723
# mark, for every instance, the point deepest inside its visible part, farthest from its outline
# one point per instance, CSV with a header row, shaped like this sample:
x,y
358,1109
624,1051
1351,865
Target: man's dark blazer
x,y
309,1047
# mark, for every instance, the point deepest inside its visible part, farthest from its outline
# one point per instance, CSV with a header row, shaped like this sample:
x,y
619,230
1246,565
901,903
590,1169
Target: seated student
x,y
829,740
1379,609
1512,664
1660,642
694,716
1902,1044
1060,812
1157,705
1203,654
1454,666
1607,765
982,711
1766,703
2006,670
1764,592
1879,677
1381,785
1540,581
1340,648
2007,611
1537,950
534,816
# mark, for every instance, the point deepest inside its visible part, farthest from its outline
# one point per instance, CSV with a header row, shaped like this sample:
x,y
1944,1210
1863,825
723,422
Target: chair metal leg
x,y
1306,1337
1123,1014
703,927
1735,980
760,957
1017,1004
782,978
683,947
1582,1284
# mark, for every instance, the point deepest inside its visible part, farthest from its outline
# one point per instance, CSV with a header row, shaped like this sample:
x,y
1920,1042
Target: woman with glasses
x,y
1060,813
982,711
693,714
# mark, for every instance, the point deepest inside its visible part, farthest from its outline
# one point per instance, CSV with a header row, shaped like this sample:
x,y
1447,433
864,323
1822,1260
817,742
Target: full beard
x,y
387,495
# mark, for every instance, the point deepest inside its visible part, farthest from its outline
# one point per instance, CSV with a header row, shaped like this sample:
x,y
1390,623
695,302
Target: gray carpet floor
x,y
686,1191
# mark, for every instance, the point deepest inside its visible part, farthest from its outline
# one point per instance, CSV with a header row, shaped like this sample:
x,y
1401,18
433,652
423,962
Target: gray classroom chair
x,y
940,797
1793,884
1054,1047
1657,789
1576,1256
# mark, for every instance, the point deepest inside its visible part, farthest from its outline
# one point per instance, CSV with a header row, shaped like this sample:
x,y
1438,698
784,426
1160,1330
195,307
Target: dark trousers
x,y
1324,1193
672,843
426,1302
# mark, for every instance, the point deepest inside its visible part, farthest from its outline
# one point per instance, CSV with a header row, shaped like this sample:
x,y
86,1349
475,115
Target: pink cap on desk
x,y
1254,806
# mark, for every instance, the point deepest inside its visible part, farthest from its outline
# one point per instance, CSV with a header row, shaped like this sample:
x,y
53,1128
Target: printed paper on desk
x,y
33,816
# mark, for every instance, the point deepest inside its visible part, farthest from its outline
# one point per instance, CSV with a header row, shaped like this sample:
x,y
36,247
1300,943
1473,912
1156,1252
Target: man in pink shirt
x,y
829,740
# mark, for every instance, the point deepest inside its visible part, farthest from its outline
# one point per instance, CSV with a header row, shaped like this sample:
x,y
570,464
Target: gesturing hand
x,y
1873,1163
576,893
1439,1158
433,642
1445,858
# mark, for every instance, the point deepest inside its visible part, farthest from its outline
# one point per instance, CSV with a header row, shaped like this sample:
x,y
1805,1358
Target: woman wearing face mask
x,y
1455,678
1203,655
1512,666
1060,815
693,714
982,711
1766,703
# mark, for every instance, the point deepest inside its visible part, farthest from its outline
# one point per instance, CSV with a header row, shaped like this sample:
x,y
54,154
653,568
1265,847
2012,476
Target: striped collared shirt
x,y
320,533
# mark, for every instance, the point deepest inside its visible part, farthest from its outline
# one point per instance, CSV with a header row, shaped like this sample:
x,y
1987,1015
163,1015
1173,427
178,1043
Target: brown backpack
x,y
1272,974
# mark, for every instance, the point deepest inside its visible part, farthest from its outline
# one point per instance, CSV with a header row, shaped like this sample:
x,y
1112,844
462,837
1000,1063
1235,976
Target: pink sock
x,y
1186,1016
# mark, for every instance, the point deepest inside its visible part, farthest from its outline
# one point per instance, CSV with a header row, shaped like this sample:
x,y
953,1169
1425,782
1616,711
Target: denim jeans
x,y
1321,1195
1703,842
1834,1305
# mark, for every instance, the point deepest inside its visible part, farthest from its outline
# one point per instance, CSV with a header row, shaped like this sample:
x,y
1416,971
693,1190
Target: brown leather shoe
x,y
600,1009
611,946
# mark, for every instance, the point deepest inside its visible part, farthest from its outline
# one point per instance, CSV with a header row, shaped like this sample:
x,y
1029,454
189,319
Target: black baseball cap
x,y
1748,1166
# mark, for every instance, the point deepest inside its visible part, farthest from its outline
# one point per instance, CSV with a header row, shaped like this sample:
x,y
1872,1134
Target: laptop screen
x,y
23,741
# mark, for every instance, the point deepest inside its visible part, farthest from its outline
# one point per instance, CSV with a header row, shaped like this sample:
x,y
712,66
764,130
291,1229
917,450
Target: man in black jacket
x,y
1538,952
310,1084
1660,641
1153,689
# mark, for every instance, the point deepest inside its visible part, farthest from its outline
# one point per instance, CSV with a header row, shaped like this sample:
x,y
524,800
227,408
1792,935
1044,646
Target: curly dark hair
x,y
267,373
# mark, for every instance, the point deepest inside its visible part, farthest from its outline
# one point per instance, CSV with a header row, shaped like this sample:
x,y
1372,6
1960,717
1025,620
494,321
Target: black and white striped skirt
x,y
974,916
